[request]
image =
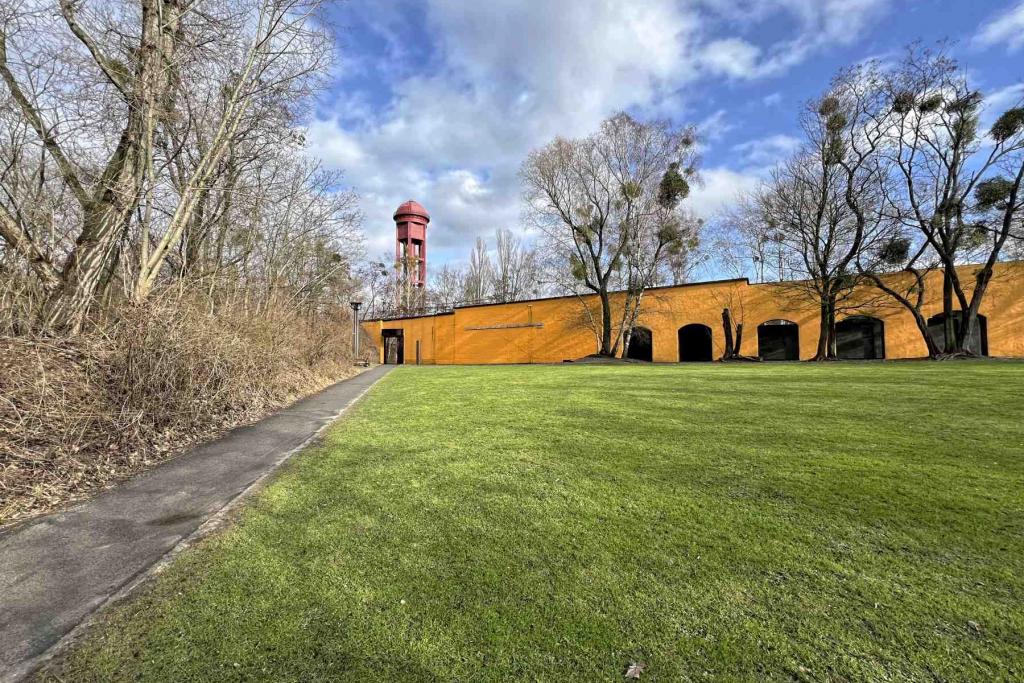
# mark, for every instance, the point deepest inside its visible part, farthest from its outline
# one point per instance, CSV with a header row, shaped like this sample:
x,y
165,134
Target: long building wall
x,y
557,329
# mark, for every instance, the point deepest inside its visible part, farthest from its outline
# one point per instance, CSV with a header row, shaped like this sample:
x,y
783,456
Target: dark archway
x,y
694,343
778,340
860,337
641,344
979,342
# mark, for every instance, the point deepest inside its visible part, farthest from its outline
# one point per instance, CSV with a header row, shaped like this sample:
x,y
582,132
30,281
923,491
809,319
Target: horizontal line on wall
x,y
507,326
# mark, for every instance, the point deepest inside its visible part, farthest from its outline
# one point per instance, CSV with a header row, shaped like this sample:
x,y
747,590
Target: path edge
x,y
215,522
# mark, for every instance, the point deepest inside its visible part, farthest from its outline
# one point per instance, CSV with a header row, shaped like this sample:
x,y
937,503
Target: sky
x,y
441,100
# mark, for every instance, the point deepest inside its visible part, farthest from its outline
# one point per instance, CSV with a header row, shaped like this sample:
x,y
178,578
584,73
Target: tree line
x,y
895,174
153,147
512,271
895,178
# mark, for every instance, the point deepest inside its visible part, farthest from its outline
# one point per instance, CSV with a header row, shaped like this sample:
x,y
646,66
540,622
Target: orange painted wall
x,y
552,330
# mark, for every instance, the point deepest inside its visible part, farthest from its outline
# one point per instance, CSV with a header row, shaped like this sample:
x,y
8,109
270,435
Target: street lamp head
x,y
355,305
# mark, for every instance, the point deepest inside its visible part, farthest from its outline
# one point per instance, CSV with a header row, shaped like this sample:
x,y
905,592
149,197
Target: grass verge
x,y
768,522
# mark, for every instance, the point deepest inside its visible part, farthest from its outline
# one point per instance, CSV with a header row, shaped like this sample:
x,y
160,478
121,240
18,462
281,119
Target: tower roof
x,y
412,208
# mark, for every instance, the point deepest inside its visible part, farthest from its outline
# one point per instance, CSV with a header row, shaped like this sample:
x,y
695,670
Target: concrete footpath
x,y
55,571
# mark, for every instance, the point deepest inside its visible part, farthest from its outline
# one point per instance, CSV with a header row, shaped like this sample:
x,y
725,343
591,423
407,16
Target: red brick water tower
x,y
411,248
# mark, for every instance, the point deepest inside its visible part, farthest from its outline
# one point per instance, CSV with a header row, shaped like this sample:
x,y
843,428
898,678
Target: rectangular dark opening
x,y
394,346
778,341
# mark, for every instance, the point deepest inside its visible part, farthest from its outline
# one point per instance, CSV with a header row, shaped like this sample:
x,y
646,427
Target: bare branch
x,y
44,132
67,10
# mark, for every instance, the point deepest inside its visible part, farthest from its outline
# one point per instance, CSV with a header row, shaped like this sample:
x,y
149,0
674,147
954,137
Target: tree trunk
x,y
823,331
833,351
195,238
108,209
730,351
969,321
67,307
926,334
607,346
951,342
912,308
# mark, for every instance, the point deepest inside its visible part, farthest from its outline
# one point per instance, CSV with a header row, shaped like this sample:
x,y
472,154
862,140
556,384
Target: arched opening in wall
x,y
860,337
979,339
694,343
778,340
641,344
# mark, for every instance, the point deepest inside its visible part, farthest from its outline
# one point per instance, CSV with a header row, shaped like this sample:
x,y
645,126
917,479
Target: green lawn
x,y
836,522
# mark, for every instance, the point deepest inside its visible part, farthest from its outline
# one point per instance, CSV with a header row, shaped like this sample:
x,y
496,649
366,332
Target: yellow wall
x,y
552,330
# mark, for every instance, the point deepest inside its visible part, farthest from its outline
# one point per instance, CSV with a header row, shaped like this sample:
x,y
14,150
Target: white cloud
x,y
733,57
720,188
998,101
335,146
714,127
507,76
512,76
821,24
767,151
1006,27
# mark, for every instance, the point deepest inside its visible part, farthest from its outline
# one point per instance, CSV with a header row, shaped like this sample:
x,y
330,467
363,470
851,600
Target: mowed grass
x,y
837,522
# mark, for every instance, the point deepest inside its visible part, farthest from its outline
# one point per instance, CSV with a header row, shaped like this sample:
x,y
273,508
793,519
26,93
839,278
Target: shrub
x,y
76,415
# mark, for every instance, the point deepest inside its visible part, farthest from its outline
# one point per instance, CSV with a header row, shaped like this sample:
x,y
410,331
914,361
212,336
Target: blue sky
x,y
440,100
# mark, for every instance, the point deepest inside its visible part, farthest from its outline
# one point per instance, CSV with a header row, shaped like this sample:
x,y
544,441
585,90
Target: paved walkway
x,y
55,571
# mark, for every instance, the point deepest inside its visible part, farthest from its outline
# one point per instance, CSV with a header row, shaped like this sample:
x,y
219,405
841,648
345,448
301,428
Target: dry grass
x,y
77,415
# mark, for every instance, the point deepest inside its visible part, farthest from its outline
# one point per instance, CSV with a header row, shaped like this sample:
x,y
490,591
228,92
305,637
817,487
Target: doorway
x,y
694,343
394,347
978,341
778,340
641,344
860,337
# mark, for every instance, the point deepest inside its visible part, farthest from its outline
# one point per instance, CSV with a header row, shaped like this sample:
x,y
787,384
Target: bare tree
x,y
956,192
683,259
280,55
608,207
447,285
133,64
822,209
479,277
137,105
516,269
738,240
379,287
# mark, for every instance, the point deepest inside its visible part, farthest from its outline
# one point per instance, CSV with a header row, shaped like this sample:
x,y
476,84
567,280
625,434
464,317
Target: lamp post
x,y
355,327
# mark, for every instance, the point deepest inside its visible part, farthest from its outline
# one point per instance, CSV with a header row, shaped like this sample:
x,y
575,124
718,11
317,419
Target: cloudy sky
x,y
440,100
